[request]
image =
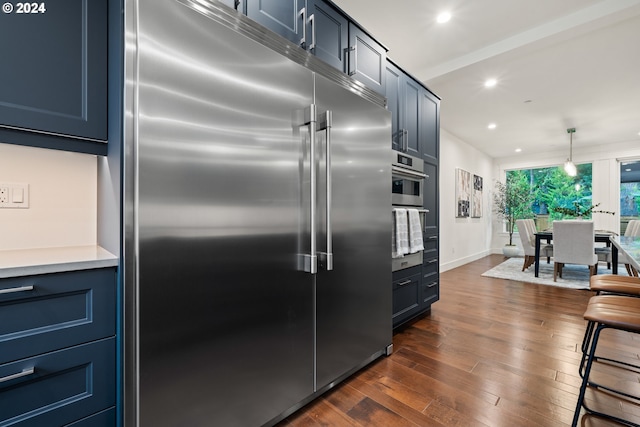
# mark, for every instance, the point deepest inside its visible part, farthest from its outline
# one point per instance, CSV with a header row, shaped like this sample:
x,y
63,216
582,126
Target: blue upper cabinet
x,y
54,72
393,85
289,18
415,113
410,115
366,59
329,35
430,125
323,30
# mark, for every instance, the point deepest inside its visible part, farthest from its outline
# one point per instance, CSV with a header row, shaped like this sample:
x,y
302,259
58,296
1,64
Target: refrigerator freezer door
x,y
354,299
225,314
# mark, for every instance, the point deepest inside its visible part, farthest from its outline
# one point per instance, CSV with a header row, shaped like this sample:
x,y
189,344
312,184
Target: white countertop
x,y
25,262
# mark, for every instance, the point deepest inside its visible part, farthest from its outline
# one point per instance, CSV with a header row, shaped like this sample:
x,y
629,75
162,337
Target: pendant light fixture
x,y
569,167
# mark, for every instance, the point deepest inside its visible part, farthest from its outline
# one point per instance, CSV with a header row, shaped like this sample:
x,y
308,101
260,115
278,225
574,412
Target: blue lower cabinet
x,y
47,312
60,387
406,294
430,291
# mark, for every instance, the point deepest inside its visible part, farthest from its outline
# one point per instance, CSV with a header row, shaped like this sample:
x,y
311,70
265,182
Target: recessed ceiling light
x,y
444,17
491,126
518,150
490,83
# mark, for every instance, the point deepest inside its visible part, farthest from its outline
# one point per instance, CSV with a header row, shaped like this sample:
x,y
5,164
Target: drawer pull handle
x,y
13,290
406,282
24,373
431,285
432,261
433,237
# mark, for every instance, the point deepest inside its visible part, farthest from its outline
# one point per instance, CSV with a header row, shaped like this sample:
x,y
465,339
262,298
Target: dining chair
x,y
526,229
546,250
573,243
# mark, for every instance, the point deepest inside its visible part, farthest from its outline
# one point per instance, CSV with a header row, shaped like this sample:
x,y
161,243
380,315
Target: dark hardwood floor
x,y
492,352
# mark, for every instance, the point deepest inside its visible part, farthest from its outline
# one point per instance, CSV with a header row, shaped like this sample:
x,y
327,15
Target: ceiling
x,y
559,64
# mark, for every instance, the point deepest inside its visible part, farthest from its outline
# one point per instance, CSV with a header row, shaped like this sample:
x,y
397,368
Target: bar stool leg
x,y
585,346
585,378
585,383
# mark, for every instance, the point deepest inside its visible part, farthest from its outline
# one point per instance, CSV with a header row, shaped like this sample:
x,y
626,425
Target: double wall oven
x,y
407,184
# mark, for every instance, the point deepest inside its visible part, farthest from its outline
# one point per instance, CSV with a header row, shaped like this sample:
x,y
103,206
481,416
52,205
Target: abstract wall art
x,y
476,198
463,193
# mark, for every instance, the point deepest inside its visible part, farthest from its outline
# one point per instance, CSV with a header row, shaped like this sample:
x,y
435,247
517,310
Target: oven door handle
x,y
401,171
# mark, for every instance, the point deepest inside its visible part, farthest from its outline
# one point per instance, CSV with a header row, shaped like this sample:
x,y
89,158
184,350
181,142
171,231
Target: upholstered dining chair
x,y
545,250
526,229
573,243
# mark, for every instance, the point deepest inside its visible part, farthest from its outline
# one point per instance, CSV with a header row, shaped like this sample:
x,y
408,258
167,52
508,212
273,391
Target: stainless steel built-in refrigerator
x,y
257,221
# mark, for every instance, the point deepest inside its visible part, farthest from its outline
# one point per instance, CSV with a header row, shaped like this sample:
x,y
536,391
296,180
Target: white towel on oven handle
x,y
415,231
400,238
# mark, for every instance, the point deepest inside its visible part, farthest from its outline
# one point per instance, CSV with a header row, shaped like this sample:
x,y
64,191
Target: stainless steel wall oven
x,y
407,180
407,191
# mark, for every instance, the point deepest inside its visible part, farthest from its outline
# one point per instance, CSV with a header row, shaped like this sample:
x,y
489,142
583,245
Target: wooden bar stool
x,y
607,302
614,284
614,312
608,284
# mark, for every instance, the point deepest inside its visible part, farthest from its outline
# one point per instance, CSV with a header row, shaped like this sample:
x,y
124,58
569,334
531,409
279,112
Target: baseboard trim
x,y
466,260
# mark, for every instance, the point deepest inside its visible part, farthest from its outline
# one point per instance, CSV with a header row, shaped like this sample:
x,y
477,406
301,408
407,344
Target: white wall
x,y
62,197
462,240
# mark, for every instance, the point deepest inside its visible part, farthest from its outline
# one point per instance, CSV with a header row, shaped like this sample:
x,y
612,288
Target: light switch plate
x,y
14,195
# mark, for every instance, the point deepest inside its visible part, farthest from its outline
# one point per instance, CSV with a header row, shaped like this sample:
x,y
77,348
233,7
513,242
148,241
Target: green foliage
x,y
629,199
513,199
551,191
581,211
557,194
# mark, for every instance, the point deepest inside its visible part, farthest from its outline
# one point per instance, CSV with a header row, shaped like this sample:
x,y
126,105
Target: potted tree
x,y
512,200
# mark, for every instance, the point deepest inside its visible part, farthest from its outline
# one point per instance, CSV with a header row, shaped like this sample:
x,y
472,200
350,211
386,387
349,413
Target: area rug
x,y
573,276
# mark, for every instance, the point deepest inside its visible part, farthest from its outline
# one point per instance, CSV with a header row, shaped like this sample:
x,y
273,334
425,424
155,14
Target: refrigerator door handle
x,y
326,258
310,261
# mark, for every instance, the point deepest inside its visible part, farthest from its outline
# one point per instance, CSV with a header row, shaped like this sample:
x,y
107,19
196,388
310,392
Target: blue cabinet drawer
x,y
406,297
430,292
42,313
57,388
106,418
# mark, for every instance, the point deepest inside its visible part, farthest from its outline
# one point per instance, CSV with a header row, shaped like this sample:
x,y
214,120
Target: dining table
x,y
630,246
602,236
